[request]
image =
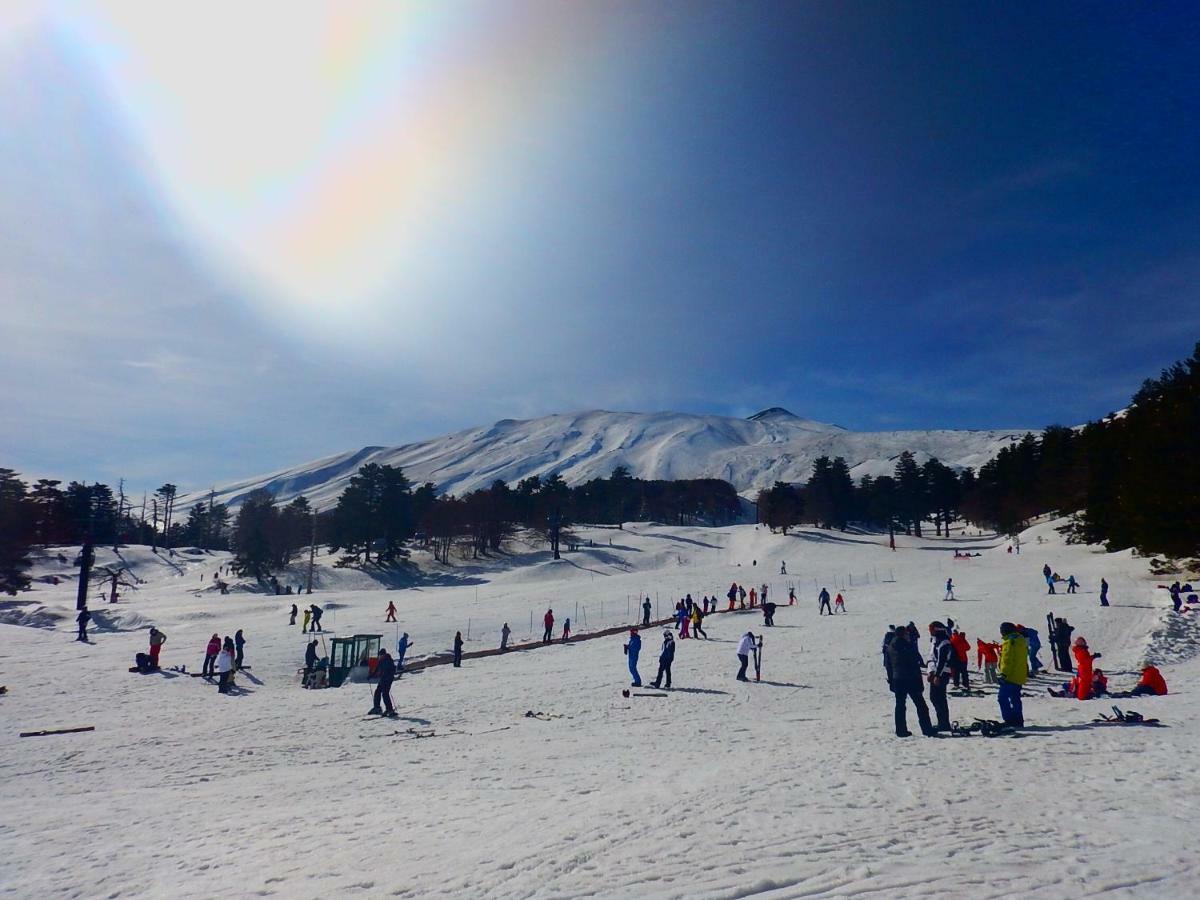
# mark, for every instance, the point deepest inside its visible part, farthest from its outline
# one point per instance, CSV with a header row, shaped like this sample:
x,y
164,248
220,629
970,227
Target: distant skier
x,y
504,633
566,630
458,644
1013,673
646,612
941,660
903,666
1103,592
225,666
385,669
768,614
665,658
391,612
402,646
823,597
949,589
791,596
745,647
295,610
1072,584
548,621
82,619
239,643
783,568
839,603
633,647
157,639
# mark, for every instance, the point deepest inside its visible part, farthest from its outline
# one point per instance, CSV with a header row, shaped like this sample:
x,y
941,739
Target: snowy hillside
x,y
794,786
773,445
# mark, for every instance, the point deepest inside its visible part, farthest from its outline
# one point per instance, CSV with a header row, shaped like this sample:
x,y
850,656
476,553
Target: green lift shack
x,y
348,653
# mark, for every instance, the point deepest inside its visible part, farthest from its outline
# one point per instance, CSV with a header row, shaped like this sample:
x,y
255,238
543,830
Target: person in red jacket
x,y
548,621
210,656
1083,667
391,612
1152,683
962,655
991,656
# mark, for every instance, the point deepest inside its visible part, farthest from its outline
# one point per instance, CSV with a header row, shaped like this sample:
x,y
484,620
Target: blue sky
x,y
881,215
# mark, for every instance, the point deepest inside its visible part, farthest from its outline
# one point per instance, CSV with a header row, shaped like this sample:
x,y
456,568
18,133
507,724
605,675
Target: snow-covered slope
x,y
773,445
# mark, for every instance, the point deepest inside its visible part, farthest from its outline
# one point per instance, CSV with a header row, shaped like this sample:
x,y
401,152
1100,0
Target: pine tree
x,y
16,529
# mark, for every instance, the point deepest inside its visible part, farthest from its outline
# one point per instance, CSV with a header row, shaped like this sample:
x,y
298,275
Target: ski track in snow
x,y
791,788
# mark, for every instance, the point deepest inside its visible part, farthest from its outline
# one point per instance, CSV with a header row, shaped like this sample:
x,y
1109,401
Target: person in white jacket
x,y
744,648
225,667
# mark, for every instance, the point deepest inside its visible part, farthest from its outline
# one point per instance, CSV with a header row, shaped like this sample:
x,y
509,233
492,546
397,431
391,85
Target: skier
x,y
782,568
1072,584
402,646
768,614
1035,644
633,647
1103,592
958,663
949,589
83,618
292,620
210,656
317,612
903,665
458,642
386,670
665,658
745,647
1083,662
504,633
823,597
391,612
566,630
239,642
1062,644
646,612
1014,672
307,618
698,624
548,621
941,659
791,596
1151,684
839,603
225,666
157,639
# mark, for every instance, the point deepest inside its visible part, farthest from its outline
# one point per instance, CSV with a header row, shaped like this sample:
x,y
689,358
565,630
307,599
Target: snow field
x,y
792,787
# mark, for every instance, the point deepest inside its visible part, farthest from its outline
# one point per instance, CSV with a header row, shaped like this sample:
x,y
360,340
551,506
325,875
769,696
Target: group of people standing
x,y
223,658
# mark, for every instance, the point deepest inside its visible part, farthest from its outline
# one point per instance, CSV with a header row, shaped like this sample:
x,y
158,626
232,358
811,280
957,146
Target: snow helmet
x,y
1080,642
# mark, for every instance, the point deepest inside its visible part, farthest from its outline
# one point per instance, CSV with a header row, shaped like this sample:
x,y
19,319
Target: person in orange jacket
x,y
1152,684
991,656
1083,667
958,664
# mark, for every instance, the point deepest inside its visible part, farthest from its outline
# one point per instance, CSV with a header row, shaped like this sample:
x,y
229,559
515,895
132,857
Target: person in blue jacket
x,y
632,649
401,649
665,658
1035,644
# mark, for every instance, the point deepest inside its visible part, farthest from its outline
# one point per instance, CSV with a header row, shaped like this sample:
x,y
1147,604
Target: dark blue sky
x,y
884,215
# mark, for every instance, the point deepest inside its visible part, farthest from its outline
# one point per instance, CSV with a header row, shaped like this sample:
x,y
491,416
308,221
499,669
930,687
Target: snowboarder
x,y
768,614
941,661
1062,644
295,610
225,666
157,639
83,618
782,568
317,612
839,603
745,647
385,668
458,642
504,633
903,666
1072,584
665,658
239,642
1103,592
402,646
823,597
391,612
633,647
566,630
1013,673
548,621
646,612
949,589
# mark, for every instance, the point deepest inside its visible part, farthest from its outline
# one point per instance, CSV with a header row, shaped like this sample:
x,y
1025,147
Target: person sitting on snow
x,y
1152,684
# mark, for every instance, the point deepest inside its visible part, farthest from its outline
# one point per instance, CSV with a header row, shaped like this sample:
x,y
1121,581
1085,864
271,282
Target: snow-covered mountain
x,y
773,445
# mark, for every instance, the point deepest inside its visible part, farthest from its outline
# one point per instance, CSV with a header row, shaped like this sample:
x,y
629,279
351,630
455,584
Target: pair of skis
x,y
758,659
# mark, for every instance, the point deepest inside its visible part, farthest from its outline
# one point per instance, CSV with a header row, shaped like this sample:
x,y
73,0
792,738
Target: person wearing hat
x,y
385,668
1013,673
903,664
665,658
633,648
1083,665
940,660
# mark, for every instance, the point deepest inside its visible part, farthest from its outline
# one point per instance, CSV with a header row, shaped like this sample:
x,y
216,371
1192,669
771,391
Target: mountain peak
x,y
774,412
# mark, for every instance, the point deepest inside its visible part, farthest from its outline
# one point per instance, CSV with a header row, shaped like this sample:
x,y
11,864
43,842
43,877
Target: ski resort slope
x,y
791,787
753,453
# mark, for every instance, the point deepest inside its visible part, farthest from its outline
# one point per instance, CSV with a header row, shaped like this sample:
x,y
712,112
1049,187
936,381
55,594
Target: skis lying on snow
x,y
1127,718
986,727
544,716
57,731
968,693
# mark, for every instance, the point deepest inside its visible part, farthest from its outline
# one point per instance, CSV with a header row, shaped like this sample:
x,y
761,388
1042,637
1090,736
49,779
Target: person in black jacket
x,y
939,673
385,668
458,642
239,643
83,618
665,658
317,612
903,665
1062,644
646,612
292,620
